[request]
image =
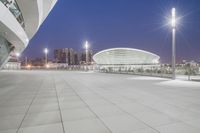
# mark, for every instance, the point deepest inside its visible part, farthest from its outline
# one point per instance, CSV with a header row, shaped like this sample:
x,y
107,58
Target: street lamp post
x,y
86,52
26,60
173,22
46,54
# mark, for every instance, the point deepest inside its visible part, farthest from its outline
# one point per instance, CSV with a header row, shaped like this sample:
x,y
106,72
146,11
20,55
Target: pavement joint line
x,y
60,112
177,120
121,109
30,106
129,95
89,107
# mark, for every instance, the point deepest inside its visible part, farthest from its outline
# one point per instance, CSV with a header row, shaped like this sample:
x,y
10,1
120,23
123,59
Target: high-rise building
x,y
71,57
60,55
19,21
65,55
76,58
83,57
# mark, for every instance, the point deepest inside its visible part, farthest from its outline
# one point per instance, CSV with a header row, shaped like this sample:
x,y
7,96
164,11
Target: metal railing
x,y
186,72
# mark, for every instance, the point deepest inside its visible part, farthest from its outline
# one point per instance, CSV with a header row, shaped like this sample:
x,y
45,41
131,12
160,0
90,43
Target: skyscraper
x,y
65,55
83,57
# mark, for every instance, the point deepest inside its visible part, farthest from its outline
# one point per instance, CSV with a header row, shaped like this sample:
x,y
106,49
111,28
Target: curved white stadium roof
x,y
125,56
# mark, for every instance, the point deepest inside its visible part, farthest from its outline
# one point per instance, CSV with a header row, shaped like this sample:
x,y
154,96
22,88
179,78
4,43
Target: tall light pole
x,y
86,51
46,54
26,61
173,22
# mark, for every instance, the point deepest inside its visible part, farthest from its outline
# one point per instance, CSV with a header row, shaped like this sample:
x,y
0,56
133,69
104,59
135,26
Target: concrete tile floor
x,y
89,102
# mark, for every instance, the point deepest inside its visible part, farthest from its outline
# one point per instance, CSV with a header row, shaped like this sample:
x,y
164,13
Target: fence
x,y
184,72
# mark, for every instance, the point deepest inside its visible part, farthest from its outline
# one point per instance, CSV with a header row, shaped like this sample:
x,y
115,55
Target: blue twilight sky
x,y
120,23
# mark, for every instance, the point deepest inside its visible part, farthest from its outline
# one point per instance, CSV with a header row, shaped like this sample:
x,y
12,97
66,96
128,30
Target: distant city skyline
x,y
108,24
66,56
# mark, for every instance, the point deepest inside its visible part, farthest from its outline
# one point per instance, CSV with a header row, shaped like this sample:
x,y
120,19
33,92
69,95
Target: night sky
x,y
140,24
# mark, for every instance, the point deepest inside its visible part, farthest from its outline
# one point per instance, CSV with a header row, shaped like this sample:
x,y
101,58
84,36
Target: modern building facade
x,y
65,55
12,64
19,21
70,56
83,57
125,58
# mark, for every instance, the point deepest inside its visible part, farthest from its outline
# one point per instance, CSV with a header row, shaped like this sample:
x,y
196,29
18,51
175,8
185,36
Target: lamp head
x,y
17,54
46,50
173,21
86,45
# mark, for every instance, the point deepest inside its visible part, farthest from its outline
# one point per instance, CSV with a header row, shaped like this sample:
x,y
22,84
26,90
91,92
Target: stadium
x,y
125,58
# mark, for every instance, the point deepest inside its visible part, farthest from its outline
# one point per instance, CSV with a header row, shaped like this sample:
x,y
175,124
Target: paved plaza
x,y
90,102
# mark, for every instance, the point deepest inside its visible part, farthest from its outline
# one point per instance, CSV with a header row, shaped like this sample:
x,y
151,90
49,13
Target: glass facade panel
x,y
14,9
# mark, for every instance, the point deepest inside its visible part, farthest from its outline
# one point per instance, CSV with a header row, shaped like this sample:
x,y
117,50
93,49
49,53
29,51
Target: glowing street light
x,y
46,54
86,51
17,55
173,18
28,66
173,24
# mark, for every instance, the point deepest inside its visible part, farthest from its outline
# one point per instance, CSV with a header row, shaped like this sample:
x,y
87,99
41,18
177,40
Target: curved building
x,y
125,56
19,21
